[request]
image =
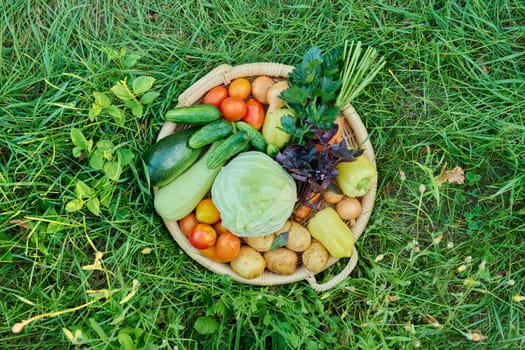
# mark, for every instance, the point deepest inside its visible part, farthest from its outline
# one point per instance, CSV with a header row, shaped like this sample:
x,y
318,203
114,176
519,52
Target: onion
x,y
349,209
260,86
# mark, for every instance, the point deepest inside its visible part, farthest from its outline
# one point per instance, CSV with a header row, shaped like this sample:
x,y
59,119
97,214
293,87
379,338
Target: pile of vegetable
x,y
260,175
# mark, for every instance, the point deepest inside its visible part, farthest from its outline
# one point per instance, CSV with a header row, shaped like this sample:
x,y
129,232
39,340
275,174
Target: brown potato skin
x,y
299,238
249,263
281,261
262,243
315,257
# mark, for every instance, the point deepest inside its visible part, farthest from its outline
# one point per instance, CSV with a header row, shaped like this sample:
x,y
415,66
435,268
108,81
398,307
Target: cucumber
x,y
228,148
272,150
181,196
256,139
210,133
170,157
195,115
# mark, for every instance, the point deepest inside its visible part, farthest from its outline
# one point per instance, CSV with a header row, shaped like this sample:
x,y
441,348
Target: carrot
x,y
303,211
319,147
338,137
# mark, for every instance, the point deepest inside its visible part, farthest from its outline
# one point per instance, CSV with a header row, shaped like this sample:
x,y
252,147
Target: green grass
x,y
452,93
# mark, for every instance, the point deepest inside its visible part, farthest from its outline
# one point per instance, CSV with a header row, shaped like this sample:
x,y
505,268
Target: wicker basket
x,y
354,133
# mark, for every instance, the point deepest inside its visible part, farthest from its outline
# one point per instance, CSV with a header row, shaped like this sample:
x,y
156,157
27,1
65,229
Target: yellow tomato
x,y
207,212
240,87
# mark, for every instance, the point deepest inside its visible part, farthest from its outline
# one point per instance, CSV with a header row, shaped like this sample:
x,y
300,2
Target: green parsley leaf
x,y
314,87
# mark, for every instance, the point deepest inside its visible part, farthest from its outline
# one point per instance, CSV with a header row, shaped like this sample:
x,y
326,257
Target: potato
x,y
249,263
281,261
315,257
261,243
299,238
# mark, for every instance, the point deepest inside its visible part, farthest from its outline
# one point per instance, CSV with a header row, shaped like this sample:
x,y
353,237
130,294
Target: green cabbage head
x,y
254,194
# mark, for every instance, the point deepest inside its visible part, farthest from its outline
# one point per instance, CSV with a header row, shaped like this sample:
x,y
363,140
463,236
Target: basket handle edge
x,y
322,287
214,77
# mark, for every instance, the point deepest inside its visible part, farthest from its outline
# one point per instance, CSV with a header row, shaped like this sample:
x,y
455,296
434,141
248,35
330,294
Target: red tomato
x,y
188,223
203,236
240,87
207,212
227,247
215,96
254,113
233,108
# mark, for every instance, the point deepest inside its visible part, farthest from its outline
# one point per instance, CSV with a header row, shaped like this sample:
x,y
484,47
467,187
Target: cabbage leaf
x,y
254,194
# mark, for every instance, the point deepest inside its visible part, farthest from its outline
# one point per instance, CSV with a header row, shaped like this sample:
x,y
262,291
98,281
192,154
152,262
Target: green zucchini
x,y
195,115
228,148
178,198
210,133
256,139
170,157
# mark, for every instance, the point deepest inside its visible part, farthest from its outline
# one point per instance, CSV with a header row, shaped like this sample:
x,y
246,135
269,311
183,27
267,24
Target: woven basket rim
x,y
354,128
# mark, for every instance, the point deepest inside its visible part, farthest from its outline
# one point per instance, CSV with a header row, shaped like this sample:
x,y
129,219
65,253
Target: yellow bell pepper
x,y
328,228
271,130
355,178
